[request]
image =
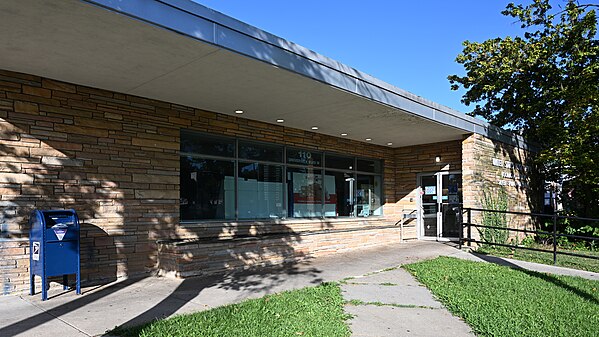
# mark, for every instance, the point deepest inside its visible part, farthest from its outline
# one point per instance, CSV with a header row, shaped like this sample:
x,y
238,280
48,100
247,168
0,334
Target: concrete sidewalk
x,y
136,301
392,303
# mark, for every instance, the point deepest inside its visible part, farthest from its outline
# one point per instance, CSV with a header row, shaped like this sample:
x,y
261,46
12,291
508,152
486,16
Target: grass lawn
x,y
546,258
500,301
313,311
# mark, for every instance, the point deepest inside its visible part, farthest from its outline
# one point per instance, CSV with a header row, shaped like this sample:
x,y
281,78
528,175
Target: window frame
x,y
322,167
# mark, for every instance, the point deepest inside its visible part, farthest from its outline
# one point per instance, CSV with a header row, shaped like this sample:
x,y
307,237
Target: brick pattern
x,y
67,146
114,159
14,263
480,175
195,258
232,229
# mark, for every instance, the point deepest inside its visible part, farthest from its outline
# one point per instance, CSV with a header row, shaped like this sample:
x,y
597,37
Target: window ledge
x,y
203,223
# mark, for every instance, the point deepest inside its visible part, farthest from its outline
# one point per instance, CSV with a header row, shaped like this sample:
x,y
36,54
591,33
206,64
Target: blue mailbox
x,y
53,248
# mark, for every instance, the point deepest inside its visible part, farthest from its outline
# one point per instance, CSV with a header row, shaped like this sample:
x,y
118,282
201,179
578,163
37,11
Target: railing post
x,y
461,234
469,227
554,238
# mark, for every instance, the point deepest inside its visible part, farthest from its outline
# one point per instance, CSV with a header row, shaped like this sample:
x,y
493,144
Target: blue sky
x,y
410,44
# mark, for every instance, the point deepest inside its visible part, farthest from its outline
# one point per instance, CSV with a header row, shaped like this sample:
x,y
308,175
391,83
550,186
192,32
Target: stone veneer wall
x,y
114,159
205,257
488,166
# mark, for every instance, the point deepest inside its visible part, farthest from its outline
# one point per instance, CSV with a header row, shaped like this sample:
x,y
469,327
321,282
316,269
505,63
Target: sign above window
x,y
304,157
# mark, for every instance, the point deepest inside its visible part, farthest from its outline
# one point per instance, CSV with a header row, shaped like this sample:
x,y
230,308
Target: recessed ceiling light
x,y
389,144
368,139
315,128
280,120
344,134
239,112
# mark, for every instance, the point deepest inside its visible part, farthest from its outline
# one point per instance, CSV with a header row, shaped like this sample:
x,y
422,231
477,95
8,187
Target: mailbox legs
x,y
31,284
65,284
78,283
44,287
31,275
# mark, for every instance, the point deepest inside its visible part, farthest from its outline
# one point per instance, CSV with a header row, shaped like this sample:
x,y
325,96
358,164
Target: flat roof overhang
x,y
181,52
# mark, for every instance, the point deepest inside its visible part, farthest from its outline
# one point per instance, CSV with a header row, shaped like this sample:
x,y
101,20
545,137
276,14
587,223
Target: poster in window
x,y
430,190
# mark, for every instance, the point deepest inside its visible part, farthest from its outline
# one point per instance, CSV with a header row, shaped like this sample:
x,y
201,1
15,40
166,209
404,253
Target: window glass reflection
x,y
368,195
207,145
304,188
260,191
255,151
373,166
339,190
338,162
222,178
207,189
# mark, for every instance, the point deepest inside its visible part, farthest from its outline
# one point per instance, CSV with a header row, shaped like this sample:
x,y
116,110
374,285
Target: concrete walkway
x,y
409,310
393,303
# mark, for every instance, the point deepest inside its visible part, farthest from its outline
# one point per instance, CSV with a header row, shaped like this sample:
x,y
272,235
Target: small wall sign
x,y
516,181
36,250
60,233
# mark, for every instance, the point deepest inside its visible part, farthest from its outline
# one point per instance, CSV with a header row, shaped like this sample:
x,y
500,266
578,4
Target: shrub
x,y
494,199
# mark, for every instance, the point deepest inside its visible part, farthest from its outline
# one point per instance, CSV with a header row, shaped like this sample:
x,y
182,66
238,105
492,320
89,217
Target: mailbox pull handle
x,y
62,225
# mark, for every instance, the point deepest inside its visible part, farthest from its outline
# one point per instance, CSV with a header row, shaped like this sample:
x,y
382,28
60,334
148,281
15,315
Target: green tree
x,y
544,84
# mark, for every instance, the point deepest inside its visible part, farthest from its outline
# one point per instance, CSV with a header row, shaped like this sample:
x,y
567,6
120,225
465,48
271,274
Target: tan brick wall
x,y
510,172
193,258
114,159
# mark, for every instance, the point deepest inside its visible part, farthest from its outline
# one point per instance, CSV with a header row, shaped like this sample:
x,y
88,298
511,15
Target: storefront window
x,y
304,187
207,189
368,195
262,152
260,191
373,166
342,163
224,178
339,199
207,145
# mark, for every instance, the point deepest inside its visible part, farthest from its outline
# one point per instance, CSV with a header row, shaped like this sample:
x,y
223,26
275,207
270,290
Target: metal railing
x,y
468,225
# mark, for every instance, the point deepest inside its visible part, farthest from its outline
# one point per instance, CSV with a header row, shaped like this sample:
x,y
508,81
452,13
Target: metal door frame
x,y
439,177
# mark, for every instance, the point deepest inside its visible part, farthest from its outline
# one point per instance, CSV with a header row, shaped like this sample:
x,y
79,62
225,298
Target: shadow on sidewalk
x,y
256,281
51,314
252,281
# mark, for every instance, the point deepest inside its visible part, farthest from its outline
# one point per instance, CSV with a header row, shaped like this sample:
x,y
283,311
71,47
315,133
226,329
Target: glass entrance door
x,y
430,206
451,198
441,197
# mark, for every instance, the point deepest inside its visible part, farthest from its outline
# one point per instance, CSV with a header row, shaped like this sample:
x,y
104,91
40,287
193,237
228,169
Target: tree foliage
x,y
544,84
